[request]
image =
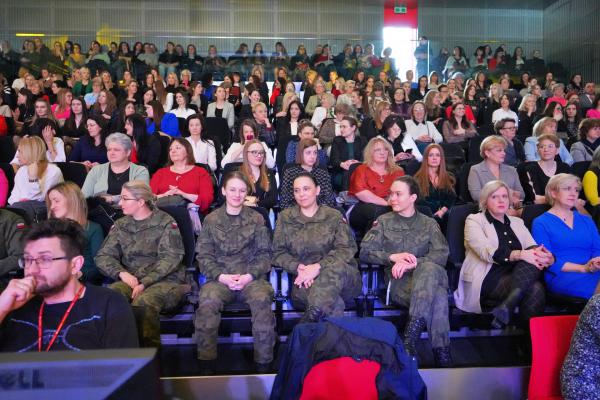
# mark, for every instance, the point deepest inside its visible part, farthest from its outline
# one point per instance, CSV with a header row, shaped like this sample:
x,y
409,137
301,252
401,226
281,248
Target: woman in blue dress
x,y
571,237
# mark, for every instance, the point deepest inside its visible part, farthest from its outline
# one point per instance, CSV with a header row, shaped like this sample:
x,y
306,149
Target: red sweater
x,y
196,181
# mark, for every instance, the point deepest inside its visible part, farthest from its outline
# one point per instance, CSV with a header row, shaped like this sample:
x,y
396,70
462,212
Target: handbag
x,y
175,200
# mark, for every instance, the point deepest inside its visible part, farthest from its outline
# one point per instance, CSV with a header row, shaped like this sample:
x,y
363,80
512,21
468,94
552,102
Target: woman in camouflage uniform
x,y
314,244
143,252
414,252
234,253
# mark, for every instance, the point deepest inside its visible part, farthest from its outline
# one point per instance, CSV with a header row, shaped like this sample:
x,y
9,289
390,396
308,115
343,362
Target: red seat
x,y
341,379
550,338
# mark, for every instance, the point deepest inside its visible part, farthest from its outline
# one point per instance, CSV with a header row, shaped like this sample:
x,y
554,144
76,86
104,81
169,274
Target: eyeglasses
x,y
257,153
546,146
42,262
510,128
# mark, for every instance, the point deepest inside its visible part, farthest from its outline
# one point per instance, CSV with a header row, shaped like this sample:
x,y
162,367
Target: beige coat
x,y
481,242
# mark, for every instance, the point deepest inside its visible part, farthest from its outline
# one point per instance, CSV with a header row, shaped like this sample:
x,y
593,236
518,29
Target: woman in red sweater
x,y
182,177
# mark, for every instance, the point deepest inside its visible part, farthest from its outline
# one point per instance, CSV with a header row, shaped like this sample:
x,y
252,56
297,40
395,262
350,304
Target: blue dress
x,y
577,245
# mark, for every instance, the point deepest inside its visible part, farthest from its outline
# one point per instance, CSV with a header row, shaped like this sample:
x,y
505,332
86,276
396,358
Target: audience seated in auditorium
x,y
248,131
370,184
492,168
546,125
65,200
106,180
571,237
436,184
538,173
503,264
423,132
346,150
262,185
204,149
414,251
234,254
323,273
154,281
35,175
182,182
146,147
51,291
306,161
589,140
90,149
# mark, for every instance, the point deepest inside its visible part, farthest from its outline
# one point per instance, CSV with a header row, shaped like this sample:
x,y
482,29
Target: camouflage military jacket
x,y
150,249
234,244
392,233
324,238
12,228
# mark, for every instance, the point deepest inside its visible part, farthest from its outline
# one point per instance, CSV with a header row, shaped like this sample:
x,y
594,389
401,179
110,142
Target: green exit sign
x,y
399,10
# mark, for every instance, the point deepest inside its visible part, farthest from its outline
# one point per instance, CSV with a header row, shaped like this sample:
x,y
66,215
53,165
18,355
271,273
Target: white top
x,y
59,145
204,152
318,116
427,128
26,190
500,114
409,143
294,128
168,102
235,148
179,113
18,84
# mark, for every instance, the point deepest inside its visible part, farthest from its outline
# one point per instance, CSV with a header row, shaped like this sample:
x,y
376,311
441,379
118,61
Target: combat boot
x,y
442,357
412,334
312,314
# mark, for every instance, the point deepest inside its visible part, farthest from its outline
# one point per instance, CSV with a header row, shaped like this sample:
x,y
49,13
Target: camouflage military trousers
x,y
332,289
424,291
214,295
159,297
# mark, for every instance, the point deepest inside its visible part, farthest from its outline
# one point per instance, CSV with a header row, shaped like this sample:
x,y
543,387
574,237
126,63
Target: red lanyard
x,y
62,321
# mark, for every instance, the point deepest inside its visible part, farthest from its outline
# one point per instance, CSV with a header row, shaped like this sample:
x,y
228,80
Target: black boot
x,y
412,334
312,314
504,312
442,357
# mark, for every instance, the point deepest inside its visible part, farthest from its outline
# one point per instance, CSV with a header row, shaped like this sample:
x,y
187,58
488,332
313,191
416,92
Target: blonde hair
x,y
185,72
33,151
368,154
258,105
490,142
141,191
538,128
488,189
287,99
556,182
76,204
174,75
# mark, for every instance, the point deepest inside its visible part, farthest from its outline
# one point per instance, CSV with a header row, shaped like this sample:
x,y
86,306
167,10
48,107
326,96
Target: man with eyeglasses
x,y
49,309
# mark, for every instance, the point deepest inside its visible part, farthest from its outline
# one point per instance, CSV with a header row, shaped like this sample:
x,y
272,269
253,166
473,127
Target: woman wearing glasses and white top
x,y
423,132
